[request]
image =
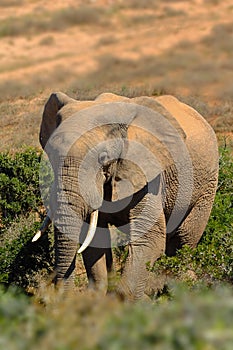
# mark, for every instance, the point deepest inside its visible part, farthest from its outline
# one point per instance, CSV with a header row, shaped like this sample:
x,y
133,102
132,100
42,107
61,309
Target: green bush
x,y
19,184
213,258
21,261
21,323
201,319
183,323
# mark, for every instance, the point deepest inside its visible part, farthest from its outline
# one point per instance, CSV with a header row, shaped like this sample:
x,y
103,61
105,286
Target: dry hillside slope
x,y
85,47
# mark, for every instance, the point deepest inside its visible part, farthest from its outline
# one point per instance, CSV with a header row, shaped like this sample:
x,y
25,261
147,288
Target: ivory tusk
x,y
43,228
37,236
91,231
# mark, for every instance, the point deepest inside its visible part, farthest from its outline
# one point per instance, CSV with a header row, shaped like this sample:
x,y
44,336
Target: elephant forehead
x,y
105,113
120,113
82,122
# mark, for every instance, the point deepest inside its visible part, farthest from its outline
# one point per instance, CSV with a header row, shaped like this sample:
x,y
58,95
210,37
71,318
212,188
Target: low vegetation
x,y
201,319
19,184
199,281
20,215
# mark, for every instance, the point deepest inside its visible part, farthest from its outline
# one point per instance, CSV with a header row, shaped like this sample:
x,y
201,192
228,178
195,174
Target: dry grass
x,y
19,123
43,21
47,41
10,3
219,115
139,4
149,48
182,67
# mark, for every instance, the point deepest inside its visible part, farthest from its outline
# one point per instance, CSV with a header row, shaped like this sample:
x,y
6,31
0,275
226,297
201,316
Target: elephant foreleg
x,y
146,249
97,262
97,258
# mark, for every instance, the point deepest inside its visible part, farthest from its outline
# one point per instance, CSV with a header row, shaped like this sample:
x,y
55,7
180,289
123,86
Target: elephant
x,y
147,166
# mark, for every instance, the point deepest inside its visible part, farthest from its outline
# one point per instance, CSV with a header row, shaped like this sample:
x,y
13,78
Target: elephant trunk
x,y
65,256
67,228
72,226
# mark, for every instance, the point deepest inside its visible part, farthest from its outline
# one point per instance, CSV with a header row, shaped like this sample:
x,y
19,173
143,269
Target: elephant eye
x,y
103,158
117,178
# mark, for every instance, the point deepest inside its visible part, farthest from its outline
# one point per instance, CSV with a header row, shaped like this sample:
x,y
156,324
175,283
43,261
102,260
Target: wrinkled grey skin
x,y
172,176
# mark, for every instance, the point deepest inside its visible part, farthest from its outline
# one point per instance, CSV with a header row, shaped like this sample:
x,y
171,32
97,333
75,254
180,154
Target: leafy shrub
x,y
182,323
212,259
201,319
21,323
22,262
19,184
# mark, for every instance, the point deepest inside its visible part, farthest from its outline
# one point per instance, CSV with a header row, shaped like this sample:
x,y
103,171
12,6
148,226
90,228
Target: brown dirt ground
x,y
179,47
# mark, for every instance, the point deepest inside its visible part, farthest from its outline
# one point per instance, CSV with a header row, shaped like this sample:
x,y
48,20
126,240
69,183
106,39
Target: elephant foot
x,y
125,293
99,287
130,298
155,284
145,291
66,286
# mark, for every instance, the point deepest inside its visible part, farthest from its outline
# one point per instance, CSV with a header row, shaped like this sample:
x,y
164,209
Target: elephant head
x,y
116,157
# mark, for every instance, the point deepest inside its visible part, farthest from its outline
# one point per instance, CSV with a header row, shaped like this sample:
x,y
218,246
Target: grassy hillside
x,y
138,47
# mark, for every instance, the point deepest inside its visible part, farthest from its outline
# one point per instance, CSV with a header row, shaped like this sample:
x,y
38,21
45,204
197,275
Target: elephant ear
x,y
51,119
155,144
154,104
